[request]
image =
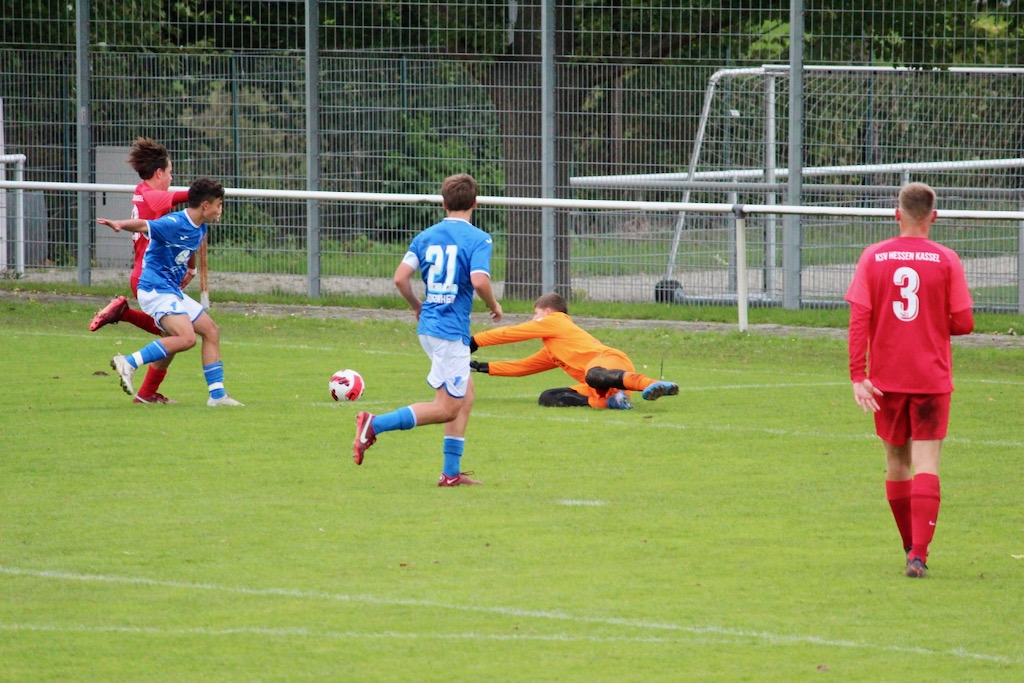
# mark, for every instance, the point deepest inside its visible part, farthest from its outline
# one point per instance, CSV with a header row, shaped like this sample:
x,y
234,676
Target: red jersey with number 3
x,y
911,285
150,204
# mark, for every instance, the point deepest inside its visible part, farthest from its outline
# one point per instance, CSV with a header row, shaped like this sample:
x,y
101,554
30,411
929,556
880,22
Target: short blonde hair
x,y
917,201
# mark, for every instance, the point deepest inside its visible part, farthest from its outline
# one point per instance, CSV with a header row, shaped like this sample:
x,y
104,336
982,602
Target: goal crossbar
x,y
669,180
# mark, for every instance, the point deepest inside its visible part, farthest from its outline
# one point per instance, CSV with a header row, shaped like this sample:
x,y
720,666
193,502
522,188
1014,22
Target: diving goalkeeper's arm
x,y
531,365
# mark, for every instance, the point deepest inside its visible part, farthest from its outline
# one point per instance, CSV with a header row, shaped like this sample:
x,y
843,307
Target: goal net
x,y
869,117
866,131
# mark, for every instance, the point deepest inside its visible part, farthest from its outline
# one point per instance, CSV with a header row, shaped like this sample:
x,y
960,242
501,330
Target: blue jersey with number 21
x,y
172,239
446,254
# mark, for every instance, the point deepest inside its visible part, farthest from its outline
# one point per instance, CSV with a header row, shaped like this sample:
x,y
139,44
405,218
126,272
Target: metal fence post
x,y
547,145
1020,259
84,134
770,258
735,274
791,237
19,219
741,265
313,146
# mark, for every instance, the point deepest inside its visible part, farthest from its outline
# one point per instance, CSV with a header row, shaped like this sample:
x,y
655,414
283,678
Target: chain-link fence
x,y
411,92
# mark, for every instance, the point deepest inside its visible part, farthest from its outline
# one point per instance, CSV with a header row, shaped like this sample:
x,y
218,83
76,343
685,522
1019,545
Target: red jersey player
x,y
152,199
908,295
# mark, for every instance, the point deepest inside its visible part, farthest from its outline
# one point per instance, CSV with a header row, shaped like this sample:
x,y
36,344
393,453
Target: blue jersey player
x,y
454,260
172,241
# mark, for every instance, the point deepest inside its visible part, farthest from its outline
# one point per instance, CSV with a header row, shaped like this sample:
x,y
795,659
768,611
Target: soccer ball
x,y
346,385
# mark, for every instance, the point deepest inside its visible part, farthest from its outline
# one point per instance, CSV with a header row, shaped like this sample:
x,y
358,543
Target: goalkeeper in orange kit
x,y
606,376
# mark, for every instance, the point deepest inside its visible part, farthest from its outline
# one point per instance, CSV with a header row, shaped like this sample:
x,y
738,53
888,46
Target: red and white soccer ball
x,y
346,385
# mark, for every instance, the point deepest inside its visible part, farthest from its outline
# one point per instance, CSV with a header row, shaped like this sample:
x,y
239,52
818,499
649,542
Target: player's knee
x,y
602,378
549,398
185,342
450,408
209,331
562,398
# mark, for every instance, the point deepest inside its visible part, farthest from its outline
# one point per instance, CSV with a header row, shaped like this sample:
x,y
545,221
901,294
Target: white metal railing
x,y
19,212
530,202
739,211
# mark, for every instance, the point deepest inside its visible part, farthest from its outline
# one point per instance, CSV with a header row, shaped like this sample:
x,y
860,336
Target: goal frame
x,y
769,179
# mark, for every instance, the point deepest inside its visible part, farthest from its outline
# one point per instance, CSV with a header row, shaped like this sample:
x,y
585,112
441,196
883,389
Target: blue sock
x,y
403,418
152,351
215,379
453,447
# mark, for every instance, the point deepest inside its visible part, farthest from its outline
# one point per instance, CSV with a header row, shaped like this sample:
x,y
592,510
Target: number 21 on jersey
x,y
443,266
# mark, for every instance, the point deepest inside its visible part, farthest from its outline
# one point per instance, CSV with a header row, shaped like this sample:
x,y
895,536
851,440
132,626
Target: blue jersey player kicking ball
x,y
172,240
454,260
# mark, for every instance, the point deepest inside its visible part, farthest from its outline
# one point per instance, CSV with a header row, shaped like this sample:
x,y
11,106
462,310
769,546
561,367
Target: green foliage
x,y
738,531
261,124
772,42
617,65
426,153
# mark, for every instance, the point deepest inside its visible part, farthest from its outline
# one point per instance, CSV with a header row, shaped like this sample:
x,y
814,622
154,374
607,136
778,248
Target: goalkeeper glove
x,y
473,346
479,367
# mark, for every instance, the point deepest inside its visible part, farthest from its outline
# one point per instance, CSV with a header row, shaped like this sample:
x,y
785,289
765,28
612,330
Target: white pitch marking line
x,y
779,385
511,611
582,503
347,635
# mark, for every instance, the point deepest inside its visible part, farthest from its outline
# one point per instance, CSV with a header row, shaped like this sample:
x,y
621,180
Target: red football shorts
x,y
921,417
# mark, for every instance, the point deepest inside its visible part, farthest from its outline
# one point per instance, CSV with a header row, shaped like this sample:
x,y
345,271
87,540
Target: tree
x,y
500,44
605,50
601,45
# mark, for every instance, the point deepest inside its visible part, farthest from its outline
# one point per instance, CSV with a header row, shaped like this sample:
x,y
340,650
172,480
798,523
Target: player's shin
x,y
453,448
602,378
214,374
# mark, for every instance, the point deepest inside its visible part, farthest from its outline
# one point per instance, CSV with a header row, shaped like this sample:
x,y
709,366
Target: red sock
x,y
898,493
154,376
141,321
925,504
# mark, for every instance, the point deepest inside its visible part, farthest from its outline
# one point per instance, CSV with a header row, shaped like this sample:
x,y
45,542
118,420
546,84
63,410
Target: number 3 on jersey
x,y
441,276
908,280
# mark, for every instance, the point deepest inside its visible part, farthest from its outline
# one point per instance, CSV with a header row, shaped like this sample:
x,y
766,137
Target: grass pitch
x,y
738,531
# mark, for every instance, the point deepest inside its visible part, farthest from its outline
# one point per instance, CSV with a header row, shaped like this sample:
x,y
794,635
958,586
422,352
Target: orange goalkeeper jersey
x,y
566,346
